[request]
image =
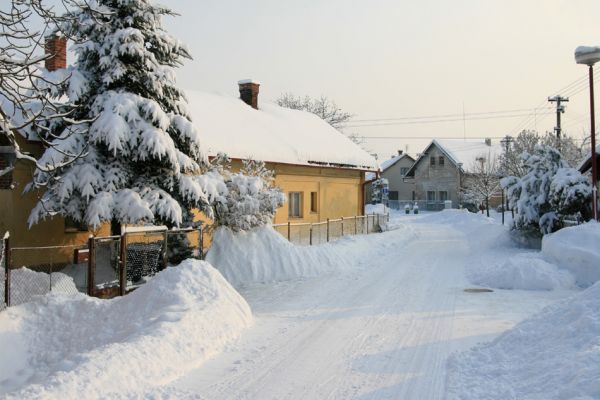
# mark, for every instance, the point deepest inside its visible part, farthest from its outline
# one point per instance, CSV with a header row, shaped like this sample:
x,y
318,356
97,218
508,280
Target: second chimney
x,y
249,92
56,48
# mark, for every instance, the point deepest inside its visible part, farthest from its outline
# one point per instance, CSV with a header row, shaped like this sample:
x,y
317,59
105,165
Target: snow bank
x,y
576,249
375,209
553,355
77,345
526,271
263,255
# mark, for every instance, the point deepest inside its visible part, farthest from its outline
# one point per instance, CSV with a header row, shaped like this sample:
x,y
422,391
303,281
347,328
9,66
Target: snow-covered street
x,y
384,329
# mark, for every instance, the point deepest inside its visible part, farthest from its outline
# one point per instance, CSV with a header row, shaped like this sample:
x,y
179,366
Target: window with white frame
x,y
295,204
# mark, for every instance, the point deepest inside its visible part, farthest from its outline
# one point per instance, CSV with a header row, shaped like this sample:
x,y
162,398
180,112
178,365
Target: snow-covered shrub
x,y
380,189
128,151
548,192
250,198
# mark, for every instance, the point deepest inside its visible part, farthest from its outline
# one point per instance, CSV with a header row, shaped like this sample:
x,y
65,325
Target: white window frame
x,y
295,204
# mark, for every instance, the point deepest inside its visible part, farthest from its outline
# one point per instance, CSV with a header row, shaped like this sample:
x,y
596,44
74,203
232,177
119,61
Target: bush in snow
x,y
548,191
380,189
137,156
249,200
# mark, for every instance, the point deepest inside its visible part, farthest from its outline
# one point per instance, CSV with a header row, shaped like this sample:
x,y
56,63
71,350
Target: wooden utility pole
x,y
559,110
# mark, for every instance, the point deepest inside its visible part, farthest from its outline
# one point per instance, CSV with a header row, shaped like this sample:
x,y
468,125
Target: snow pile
x,y
77,344
553,355
527,271
376,209
26,284
263,255
576,249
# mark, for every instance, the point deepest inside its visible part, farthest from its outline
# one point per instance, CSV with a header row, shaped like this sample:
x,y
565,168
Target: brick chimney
x,y
56,47
488,141
249,92
400,152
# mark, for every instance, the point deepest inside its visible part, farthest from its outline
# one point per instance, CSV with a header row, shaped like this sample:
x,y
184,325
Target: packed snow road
x,y
382,330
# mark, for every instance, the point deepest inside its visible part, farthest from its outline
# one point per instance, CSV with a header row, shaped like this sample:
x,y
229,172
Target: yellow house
x,y
321,171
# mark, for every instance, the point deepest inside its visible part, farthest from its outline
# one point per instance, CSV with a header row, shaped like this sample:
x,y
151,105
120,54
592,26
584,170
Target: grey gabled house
x,y
442,168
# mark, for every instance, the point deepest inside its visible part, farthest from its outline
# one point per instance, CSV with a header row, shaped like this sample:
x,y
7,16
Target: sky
x,y
389,59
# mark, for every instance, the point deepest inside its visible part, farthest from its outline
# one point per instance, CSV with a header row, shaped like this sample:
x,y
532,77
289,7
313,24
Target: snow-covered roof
x,y
463,152
272,133
587,163
388,163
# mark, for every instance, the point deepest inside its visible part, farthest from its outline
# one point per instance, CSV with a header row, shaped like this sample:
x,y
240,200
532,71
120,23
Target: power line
x,y
433,121
441,115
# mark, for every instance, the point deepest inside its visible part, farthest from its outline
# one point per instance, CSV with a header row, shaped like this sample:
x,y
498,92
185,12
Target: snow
x,y
388,163
151,228
376,209
66,345
371,317
553,355
245,81
576,249
263,255
271,133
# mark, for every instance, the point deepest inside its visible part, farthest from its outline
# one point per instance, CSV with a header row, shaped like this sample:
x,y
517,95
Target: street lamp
x,y
589,56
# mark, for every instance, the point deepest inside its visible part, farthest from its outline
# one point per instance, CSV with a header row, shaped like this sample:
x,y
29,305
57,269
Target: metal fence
x,y
308,234
103,267
423,205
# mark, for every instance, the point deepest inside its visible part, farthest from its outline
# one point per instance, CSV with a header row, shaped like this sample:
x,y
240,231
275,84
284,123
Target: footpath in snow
x,y
369,317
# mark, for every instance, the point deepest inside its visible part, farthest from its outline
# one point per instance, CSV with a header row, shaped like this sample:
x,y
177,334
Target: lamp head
x,y
587,55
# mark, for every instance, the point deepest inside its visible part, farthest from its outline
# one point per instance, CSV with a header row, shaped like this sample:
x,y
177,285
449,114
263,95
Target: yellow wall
x,y
339,195
14,211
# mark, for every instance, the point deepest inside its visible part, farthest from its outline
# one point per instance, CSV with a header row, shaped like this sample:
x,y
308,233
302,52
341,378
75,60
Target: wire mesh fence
x,y
103,267
3,273
305,234
36,271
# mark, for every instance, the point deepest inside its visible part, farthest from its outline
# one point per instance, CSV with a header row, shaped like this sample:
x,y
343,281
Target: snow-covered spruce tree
x,y
549,191
250,199
142,155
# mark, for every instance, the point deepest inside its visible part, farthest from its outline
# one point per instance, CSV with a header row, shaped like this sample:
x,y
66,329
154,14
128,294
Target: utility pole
x,y
506,142
559,110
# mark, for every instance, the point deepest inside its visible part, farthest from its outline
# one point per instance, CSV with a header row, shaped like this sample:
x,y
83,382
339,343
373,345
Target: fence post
x,y
328,229
355,225
378,223
201,239
123,264
7,268
367,218
289,235
310,231
165,245
91,265
342,226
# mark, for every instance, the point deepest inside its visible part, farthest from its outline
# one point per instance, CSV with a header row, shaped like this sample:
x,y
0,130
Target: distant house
x,y
444,166
321,171
395,170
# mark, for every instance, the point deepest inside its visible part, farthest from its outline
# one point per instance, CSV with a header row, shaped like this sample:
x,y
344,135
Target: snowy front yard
x,y
370,317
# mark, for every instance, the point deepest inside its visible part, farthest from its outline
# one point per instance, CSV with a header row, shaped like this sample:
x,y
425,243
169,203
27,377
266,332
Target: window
x,y
393,195
6,180
430,195
432,161
295,204
314,202
403,171
441,161
443,195
74,226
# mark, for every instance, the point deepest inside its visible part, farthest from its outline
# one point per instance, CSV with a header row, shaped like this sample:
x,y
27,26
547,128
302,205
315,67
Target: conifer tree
x,y
140,157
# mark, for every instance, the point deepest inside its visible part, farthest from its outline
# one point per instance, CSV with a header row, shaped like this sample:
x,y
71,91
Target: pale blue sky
x,y
390,59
